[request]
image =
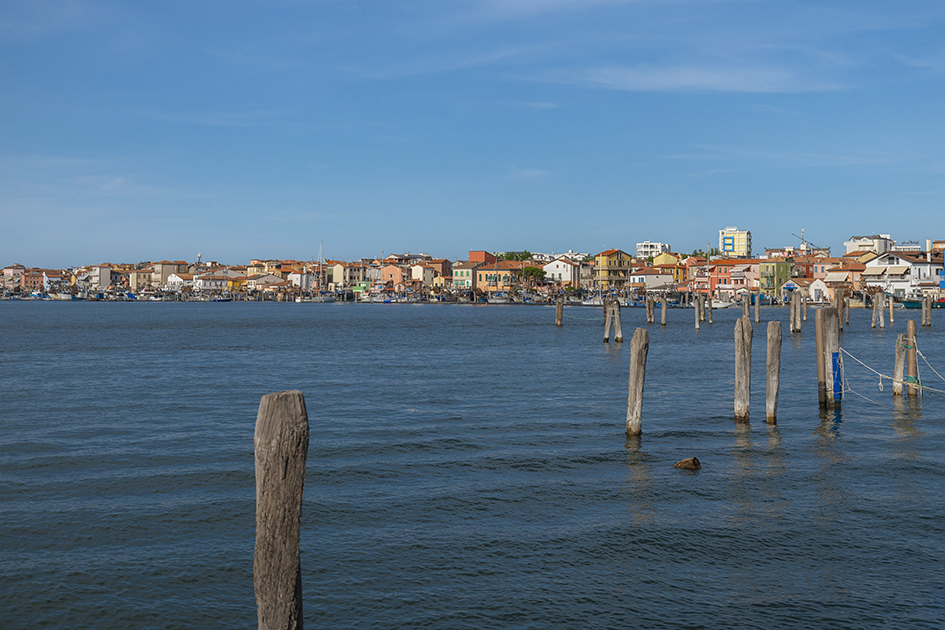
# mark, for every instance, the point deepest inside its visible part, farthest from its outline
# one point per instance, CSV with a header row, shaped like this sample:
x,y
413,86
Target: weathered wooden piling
x,y
758,306
618,329
801,301
839,303
804,301
559,311
608,319
846,309
773,371
912,359
743,332
832,372
899,367
663,311
926,310
793,318
639,346
819,352
700,300
790,317
875,316
281,448
708,309
696,310
892,303
882,304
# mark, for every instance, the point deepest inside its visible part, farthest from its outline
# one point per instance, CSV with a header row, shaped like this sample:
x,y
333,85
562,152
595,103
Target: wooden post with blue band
x,y
833,371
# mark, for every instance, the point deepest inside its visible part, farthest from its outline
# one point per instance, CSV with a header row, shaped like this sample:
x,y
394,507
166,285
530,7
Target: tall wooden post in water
x,y
832,372
743,332
696,310
708,309
799,313
559,311
758,306
839,303
663,311
618,329
608,318
773,372
912,363
819,352
639,346
794,315
892,303
790,318
281,448
899,367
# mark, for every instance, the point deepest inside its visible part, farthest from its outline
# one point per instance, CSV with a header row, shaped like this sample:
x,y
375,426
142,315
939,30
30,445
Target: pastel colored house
x,y
500,276
11,276
650,279
774,274
391,276
612,268
422,274
563,272
464,275
735,243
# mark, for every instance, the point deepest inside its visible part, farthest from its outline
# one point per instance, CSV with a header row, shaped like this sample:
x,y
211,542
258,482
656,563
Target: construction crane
x,y
804,242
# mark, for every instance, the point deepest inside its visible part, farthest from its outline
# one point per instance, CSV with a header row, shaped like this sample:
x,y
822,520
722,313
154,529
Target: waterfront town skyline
x,y
641,249
140,132
869,263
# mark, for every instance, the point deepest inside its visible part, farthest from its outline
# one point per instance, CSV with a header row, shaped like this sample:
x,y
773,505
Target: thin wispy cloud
x,y
528,173
498,10
446,61
540,105
31,20
262,59
771,109
797,158
247,118
691,78
81,179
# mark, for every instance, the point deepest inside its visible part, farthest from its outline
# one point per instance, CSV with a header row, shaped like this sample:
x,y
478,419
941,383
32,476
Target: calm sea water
x,y
468,469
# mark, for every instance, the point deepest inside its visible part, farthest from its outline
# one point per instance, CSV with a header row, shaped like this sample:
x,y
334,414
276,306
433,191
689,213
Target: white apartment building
x,y
563,271
878,243
647,249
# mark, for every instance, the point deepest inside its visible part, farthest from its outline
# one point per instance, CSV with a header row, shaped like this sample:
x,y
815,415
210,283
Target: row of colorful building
x,y
873,263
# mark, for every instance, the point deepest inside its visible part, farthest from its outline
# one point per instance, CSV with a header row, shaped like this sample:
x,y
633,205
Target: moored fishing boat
x,y
918,303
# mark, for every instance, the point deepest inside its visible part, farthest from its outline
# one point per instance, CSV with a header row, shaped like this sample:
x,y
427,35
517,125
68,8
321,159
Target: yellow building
x,y
236,284
612,269
666,258
735,243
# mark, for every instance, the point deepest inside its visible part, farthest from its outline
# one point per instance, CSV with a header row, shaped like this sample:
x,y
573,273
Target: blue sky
x,y
141,131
